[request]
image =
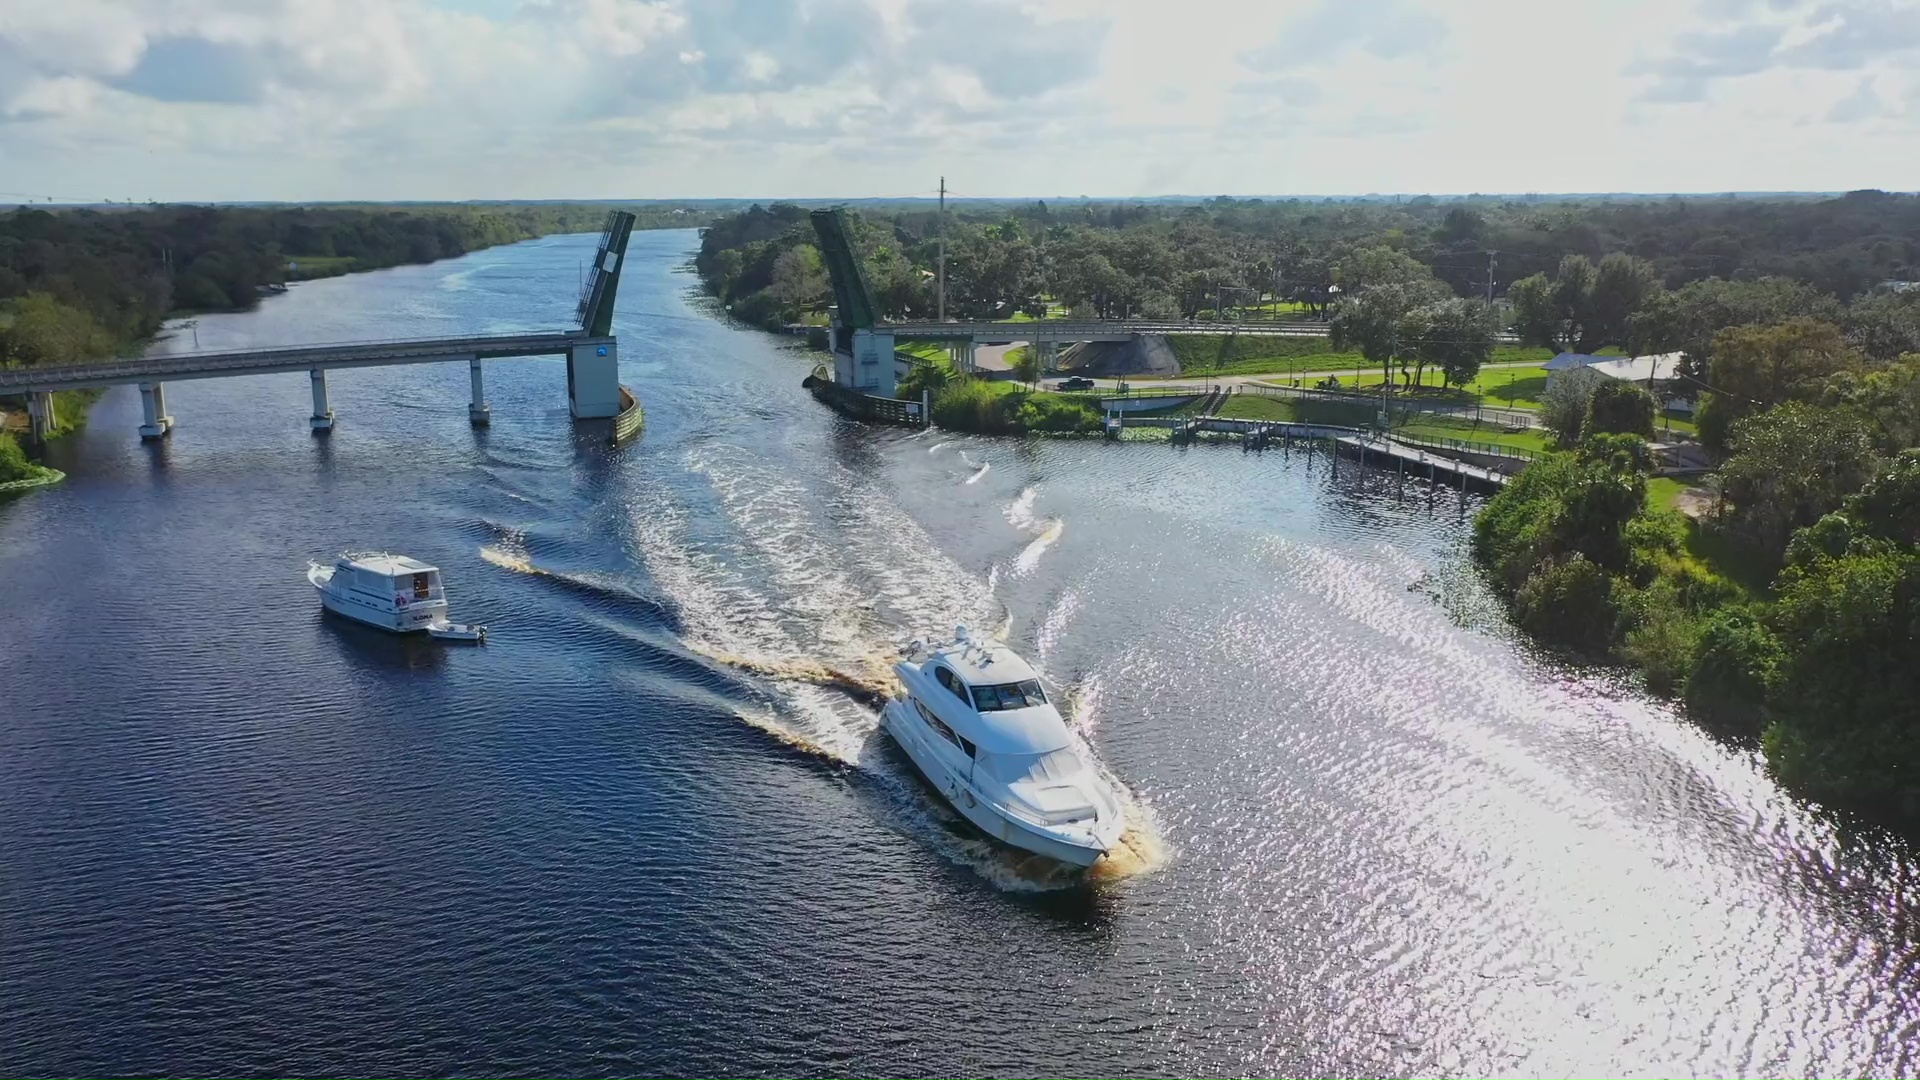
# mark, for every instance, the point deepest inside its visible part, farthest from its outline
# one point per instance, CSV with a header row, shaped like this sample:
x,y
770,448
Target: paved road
x,y
994,357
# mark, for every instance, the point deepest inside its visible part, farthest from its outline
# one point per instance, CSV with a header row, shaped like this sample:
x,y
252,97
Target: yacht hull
x,y
954,787
414,619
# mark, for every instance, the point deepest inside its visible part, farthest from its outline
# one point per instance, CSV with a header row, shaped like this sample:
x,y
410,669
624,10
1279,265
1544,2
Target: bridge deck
x,y
1102,330
174,367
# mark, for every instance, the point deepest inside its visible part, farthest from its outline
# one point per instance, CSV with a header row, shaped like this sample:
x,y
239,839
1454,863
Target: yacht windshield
x,y
1013,695
1053,766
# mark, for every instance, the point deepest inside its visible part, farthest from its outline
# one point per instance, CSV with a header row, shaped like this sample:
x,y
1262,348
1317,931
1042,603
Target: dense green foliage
x,y
13,461
1618,408
1841,708
1607,266
1824,672
1583,306
1565,402
987,408
1790,467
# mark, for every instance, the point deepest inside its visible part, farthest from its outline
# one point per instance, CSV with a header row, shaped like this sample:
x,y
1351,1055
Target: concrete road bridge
x,y
592,352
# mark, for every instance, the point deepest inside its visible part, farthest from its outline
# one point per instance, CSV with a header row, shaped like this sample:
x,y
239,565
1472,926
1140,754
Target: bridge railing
x,y
360,343
163,365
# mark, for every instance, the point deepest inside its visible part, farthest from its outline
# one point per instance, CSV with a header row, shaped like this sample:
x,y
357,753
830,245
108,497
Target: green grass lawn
x,y
1519,387
925,350
1674,421
1437,427
302,267
1258,407
1713,549
1662,491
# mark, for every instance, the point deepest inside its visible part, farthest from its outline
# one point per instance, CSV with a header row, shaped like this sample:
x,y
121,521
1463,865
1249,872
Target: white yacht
x,y
392,592
977,723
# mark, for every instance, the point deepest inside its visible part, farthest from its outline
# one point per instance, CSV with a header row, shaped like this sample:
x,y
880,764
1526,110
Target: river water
x,y
646,829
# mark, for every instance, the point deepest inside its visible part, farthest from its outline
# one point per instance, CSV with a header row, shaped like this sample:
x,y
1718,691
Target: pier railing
x,y
1495,415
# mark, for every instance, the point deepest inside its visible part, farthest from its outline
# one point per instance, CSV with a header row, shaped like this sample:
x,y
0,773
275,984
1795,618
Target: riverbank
x,y
40,476
1805,655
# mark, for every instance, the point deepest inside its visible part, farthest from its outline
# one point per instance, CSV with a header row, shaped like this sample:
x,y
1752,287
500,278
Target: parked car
x,y
1075,383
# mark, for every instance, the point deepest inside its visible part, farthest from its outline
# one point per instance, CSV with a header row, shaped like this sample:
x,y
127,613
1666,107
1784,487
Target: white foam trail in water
x,y
980,472
812,591
1021,516
1030,556
1020,511
939,446
1052,625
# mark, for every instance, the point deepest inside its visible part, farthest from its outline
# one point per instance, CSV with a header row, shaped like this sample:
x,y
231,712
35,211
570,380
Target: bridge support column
x,y
477,413
322,419
593,379
153,409
874,370
40,416
1049,356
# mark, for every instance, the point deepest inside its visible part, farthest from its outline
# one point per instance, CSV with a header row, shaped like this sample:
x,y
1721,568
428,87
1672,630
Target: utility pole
x,y
1490,263
941,279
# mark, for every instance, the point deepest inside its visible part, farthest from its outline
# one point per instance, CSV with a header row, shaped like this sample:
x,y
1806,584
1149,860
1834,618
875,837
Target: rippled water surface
x,y
652,827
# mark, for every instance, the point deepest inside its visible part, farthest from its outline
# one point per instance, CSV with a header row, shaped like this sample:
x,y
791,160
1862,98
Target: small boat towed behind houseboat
x,y
978,725
392,592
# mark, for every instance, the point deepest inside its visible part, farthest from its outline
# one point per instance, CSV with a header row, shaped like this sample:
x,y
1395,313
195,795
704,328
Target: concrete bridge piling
x,y
153,411
40,416
478,414
322,419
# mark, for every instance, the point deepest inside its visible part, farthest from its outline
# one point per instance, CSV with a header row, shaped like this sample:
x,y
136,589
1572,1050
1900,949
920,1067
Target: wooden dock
x,y
1368,448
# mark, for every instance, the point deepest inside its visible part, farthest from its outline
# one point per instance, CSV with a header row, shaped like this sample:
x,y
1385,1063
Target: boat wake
x,y
765,580
869,688
979,470
1021,516
597,585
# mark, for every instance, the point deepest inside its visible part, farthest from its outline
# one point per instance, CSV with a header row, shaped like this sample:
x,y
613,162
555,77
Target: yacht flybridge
x,y
392,592
978,725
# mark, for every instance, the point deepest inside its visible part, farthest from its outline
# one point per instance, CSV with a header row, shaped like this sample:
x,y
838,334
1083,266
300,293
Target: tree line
x,y
1172,260
79,284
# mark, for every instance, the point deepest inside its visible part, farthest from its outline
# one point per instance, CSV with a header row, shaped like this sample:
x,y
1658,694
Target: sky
x,y
216,100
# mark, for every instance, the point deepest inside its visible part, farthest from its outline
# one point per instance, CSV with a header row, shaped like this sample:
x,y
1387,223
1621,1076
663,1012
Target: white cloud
x,y
587,98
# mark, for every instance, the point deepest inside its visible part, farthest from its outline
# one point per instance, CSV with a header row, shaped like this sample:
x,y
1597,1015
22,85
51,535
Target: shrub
x,y
1734,658
1570,603
972,405
1662,634
1618,408
13,460
1622,453
932,375
1050,412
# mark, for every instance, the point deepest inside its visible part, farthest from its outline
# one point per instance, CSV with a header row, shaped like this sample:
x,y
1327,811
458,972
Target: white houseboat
x,y
392,592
